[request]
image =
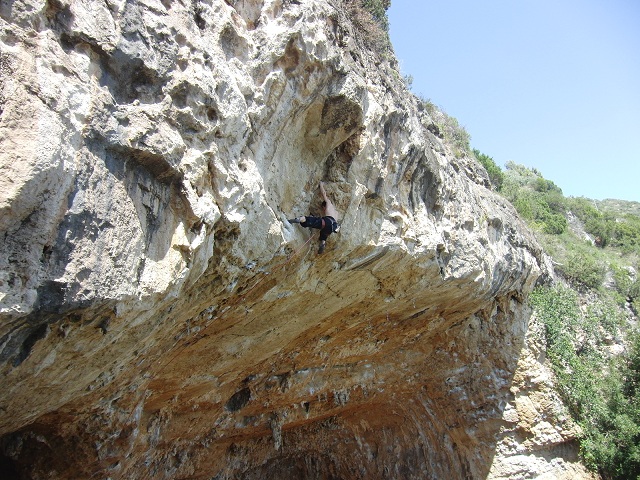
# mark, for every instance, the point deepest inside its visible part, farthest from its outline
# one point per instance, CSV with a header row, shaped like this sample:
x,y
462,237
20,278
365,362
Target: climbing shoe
x,y
294,220
321,247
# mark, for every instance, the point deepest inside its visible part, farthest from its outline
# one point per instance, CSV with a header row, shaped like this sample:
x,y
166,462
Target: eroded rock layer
x,y
160,316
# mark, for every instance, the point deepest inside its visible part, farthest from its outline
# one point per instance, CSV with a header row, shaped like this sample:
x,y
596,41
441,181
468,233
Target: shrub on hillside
x,y
378,10
584,268
541,184
559,312
634,295
625,283
536,199
554,223
496,176
626,234
632,371
622,232
627,286
601,225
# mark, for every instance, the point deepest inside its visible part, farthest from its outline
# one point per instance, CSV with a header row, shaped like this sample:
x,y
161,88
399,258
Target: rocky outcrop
x,y
162,319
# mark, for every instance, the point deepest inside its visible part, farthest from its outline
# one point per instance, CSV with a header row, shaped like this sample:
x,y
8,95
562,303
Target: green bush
x,y
378,10
584,268
496,176
622,232
626,286
583,208
604,317
555,224
536,199
543,185
604,227
632,371
626,233
556,201
559,312
601,227
634,291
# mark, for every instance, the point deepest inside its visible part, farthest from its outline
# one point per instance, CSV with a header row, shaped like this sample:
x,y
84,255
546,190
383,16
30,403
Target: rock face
x,y
162,319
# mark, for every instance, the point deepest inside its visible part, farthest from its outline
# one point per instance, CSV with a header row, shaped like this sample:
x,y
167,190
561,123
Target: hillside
x,y
589,313
619,207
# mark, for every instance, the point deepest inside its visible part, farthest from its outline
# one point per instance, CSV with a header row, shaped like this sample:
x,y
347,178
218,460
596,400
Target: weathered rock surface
x,y
160,317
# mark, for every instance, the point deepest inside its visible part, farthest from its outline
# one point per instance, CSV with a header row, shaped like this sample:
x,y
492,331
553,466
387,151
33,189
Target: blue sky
x,y
553,85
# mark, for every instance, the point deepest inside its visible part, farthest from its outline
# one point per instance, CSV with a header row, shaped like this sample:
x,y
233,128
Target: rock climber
x,y
327,224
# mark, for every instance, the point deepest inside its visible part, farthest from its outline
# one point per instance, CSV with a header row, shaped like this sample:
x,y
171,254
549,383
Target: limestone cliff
x,y
162,319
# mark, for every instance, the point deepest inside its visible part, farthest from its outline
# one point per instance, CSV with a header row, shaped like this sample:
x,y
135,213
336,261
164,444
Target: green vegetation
x,y
599,241
538,200
496,177
378,10
602,393
595,247
541,202
626,288
622,207
583,268
620,230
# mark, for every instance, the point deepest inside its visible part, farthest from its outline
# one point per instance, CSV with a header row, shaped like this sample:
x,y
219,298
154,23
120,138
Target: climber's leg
x,y
308,221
